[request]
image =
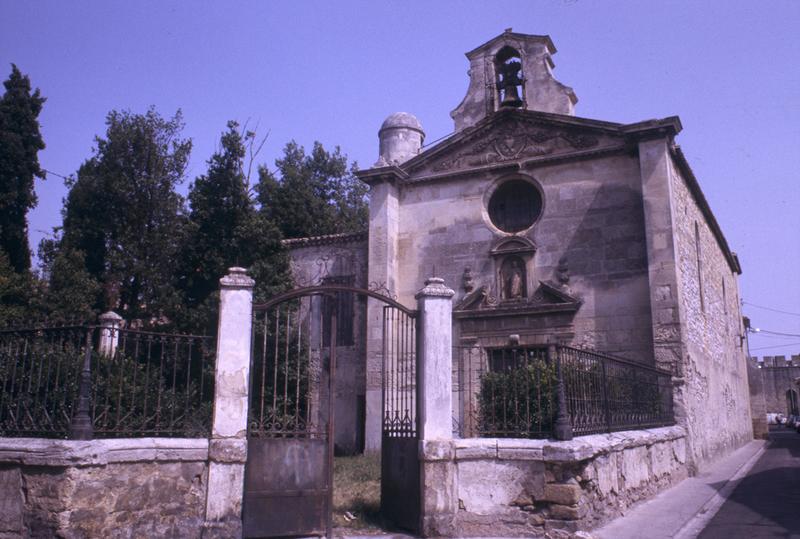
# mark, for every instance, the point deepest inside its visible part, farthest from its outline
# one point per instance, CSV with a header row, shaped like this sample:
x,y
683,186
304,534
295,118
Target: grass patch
x,y
357,491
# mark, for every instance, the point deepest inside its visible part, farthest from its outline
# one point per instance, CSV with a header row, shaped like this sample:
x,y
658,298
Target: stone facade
x,y
148,487
526,488
712,374
620,253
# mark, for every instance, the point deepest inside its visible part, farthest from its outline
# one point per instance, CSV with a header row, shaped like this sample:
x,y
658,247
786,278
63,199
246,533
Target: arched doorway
x,y
792,407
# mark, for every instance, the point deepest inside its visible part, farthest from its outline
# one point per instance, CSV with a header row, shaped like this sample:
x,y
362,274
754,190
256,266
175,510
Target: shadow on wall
x,y
608,250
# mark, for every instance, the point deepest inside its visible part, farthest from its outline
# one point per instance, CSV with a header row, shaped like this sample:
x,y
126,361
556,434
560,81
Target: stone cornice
x,y
330,239
563,125
391,174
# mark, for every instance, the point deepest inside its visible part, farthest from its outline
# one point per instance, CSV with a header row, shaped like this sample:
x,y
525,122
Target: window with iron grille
x,y
342,302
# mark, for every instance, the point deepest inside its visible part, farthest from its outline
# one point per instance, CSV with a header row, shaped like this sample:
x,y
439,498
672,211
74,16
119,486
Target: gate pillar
x,y
436,449
227,448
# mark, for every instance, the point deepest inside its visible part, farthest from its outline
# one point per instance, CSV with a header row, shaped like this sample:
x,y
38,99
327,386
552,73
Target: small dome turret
x,y
401,137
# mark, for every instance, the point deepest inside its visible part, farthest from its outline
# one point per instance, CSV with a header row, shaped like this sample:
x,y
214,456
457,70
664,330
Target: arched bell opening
x,y
510,78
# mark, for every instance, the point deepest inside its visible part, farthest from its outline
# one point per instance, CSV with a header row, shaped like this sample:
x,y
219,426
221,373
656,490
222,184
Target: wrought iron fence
x,y
39,374
514,392
288,388
399,373
605,393
152,384
91,381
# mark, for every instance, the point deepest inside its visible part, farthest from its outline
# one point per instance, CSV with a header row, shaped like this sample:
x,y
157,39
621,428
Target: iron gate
x,y
400,473
288,487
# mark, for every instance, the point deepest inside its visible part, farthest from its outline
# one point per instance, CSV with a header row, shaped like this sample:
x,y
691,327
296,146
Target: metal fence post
x,y
562,429
81,427
605,394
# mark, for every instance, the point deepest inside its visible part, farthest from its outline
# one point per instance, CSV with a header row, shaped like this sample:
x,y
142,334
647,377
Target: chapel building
x,y
552,229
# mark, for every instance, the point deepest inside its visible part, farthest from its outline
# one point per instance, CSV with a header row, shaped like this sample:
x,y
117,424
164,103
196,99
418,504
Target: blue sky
x,y
332,71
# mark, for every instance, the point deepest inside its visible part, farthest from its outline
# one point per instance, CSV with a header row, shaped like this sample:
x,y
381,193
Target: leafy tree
x,y
14,291
313,195
20,142
224,229
123,213
71,292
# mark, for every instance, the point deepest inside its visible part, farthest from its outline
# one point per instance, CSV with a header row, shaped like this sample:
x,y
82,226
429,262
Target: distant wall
x,y
777,376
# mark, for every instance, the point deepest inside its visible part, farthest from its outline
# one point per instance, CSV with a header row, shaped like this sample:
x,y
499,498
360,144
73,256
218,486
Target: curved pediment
x,y
548,298
513,245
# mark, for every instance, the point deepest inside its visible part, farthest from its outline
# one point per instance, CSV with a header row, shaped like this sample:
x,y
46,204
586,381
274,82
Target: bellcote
x,y
512,71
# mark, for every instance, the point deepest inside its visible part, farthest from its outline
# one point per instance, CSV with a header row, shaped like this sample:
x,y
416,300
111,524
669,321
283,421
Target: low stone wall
x,y
517,487
144,487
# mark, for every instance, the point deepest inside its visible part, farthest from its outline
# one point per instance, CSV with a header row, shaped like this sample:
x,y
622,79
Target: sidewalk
x,y
683,511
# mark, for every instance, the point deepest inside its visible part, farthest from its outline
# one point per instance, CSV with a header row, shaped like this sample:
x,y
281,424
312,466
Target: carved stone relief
x,y
515,140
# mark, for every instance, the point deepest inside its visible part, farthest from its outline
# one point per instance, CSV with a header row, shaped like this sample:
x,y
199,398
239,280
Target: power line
x,y
770,309
778,333
775,346
54,174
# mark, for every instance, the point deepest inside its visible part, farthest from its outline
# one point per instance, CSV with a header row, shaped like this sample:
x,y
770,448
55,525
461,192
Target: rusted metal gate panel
x,y
288,476
289,471
400,470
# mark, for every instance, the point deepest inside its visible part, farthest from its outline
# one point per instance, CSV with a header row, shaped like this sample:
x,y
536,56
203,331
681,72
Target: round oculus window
x,y
515,205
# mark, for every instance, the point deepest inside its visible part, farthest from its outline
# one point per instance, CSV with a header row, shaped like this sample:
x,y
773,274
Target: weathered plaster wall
x,y
514,487
592,219
714,369
146,487
312,262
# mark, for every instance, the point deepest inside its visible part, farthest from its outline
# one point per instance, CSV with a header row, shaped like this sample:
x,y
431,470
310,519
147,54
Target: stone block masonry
x,y
521,487
145,487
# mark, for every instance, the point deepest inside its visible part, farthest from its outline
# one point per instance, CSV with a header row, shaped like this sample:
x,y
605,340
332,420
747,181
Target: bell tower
x,y
512,71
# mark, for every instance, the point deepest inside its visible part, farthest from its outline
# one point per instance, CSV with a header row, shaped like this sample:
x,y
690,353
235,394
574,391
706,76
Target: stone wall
x,y
713,394
146,487
518,487
343,258
777,376
591,228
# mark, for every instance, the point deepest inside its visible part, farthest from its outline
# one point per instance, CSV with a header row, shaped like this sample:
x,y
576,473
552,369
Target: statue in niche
x,y
467,281
512,274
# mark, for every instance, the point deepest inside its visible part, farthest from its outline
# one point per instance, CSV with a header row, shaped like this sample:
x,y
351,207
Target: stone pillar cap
x,y
110,316
237,278
435,287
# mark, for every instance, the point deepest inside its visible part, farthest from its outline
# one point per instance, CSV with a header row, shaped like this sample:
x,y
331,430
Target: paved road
x,y
766,503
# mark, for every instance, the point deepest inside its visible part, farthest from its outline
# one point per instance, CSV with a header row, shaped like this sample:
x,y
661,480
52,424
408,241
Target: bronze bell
x,y
509,80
